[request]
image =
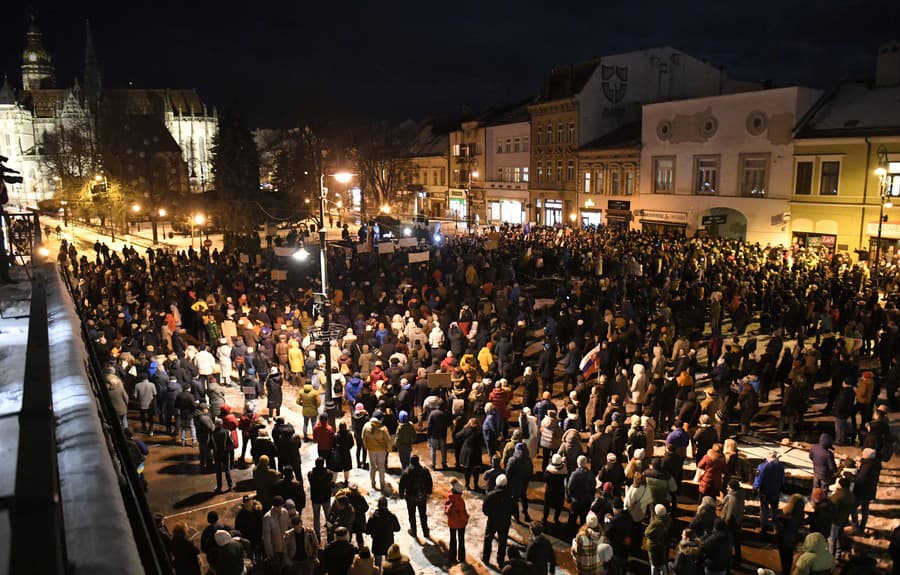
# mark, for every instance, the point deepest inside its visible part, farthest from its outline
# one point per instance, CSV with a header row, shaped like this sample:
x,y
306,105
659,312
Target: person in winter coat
x,y
788,524
185,405
145,394
640,387
416,486
184,552
580,492
585,548
551,436
492,428
498,508
337,557
814,557
657,537
264,480
733,515
865,488
613,473
470,452
702,523
712,468
768,484
229,555
275,523
822,456
519,469
353,388
215,395
688,555
530,428
343,443
118,397
320,481
296,361
397,563
274,396
457,520
379,443
540,551
309,400
404,439
638,498
381,526
555,476
717,549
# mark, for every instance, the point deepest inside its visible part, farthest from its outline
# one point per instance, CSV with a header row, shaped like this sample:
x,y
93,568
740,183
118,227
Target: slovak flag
x,y
589,363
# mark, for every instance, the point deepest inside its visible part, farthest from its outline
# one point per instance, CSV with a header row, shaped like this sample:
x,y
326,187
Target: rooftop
x,y
853,109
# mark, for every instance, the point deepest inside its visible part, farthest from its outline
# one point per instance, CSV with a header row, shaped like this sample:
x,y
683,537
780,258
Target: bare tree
x,y
380,155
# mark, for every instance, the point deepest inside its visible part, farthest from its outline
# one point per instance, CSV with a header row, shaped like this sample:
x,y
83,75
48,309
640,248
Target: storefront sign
x,y
675,217
621,205
888,229
717,219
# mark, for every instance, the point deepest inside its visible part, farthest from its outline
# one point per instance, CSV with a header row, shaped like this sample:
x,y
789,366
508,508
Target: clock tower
x,y
37,70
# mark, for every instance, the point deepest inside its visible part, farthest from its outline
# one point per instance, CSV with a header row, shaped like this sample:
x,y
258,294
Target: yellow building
x,y
839,192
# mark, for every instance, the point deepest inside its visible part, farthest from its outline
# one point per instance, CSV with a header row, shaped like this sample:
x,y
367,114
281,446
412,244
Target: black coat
x,y
498,507
518,473
469,438
273,391
319,485
343,443
554,489
867,479
381,526
337,557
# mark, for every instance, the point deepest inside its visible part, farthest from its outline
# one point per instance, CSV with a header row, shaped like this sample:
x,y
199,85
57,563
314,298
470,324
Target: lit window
x,y
598,182
540,172
706,175
508,148
500,174
831,175
517,174
587,182
525,174
559,133
663,175
629,183
754,175
540,135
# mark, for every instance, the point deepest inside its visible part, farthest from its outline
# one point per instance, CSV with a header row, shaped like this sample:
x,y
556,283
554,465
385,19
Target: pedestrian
x,y
416,486
343,443
457,520
814,557
688,555
274,396
337,556
588,560
551,436
656,538
580,492
768,484
843,503
358,420
249,521
320,480
404,439
733,516
788,524
145,395
204,426
184,552
498,509
229,555
378,444
519,470
712,468
308,398
822,456
363,563
301,547
438,423
397,563
470,453
717,549
223,447
865,488
381,526
275,524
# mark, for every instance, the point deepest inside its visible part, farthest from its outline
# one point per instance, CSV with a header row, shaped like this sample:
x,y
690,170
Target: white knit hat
x,y
660,509
501,480
592,520
222,537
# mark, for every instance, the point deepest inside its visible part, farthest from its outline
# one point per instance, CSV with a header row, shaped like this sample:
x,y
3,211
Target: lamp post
x,y
885,196
161,213
136,208
112,226
342,178
473,175
198,219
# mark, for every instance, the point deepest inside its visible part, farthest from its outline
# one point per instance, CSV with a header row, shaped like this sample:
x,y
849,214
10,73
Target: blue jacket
x,y
769,479
678,437
353,389
823,457
491,428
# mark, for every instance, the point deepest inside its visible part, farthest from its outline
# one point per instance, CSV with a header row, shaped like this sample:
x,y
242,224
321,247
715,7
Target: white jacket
x,y
436,337
274,527
204,362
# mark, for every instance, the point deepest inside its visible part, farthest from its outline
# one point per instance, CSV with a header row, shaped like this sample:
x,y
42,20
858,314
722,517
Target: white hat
x,y
611,457
501,480
660,509
526,410
556,460
222,537
604,552
638,453
592,520
456,485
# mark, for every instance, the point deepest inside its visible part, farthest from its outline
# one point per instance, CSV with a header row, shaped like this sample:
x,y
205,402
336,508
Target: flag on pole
x,y
589,363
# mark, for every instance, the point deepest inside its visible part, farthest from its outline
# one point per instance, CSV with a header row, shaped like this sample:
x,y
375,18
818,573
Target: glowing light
x,y
43,252
407,232
98,178
301,254
437,238
340,204
589,203
386,209
475,175
162,212
573,216
199,219
136,208
889,204
306,201
880,171
343,177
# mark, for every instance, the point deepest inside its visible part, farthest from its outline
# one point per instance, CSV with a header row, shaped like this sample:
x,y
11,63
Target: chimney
x,y
887,66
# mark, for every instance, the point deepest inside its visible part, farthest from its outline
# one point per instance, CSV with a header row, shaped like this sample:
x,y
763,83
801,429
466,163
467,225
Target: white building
x,y
508,153
721,164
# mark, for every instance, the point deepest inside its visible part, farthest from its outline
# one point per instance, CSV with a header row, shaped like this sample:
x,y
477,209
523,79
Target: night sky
x,y
314,61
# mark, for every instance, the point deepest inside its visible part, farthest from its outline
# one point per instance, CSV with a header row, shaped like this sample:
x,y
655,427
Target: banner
x,y
386,248
408,242
279,275
283,252
418,257
363,249
490,245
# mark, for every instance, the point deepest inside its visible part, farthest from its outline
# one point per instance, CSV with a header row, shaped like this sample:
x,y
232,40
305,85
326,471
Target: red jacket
x,y
455,508
230,422
323,435
713,466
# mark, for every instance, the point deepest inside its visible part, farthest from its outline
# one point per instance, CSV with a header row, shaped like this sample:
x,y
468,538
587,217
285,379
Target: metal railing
x,y
148,539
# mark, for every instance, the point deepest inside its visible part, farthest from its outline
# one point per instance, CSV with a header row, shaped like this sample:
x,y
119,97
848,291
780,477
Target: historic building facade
x,y
41,109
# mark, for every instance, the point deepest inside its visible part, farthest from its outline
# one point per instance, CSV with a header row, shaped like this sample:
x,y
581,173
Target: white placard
x,y
386,248
279,275
283,252
363,249
408,242
418,257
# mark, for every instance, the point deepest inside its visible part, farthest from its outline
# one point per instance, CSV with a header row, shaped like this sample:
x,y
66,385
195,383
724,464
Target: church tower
x,y
93,84
37,70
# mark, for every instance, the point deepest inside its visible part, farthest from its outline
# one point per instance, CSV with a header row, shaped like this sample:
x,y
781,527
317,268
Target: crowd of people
x,y
636,370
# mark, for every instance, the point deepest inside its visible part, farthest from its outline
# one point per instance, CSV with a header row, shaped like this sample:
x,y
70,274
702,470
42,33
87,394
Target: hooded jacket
x,y
822,457
375,437
815,558
309,399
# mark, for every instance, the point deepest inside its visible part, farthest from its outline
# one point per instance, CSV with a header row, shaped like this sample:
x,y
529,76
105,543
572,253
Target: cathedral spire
x,y
6,93
92,81
37,70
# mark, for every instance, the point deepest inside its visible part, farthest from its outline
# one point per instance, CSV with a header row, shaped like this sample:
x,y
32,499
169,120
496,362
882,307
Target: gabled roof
x,y
626,135
567,81
156,101
853,109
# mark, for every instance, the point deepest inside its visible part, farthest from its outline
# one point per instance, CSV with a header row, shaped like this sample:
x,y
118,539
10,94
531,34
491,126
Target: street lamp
x,y
112,226
196,219
341,178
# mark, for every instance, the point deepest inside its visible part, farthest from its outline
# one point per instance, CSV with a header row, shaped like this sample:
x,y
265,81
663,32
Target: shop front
x,y
890,239
506,211
550,212
814,240
591,217
618,214
664,223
